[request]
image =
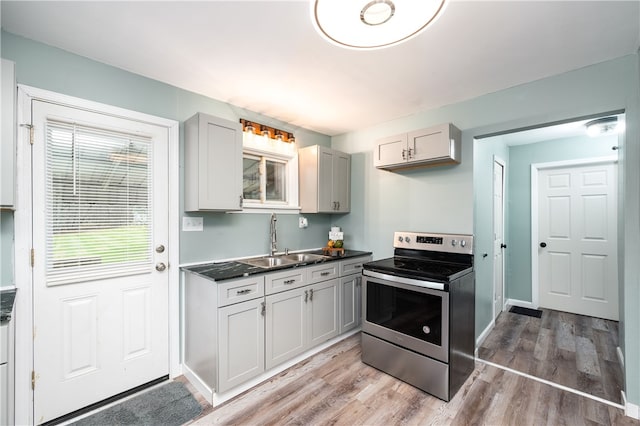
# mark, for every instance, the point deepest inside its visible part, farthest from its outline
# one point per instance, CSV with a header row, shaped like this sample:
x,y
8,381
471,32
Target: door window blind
x,y
98,203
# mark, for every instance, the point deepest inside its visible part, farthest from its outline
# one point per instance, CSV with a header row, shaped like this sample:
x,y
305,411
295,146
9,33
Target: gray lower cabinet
x,y
236,330
286,324
299,319
350,302
4,374
240,343
351,293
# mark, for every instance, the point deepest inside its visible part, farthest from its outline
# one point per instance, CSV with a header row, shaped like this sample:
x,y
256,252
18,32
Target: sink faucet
x,y
272,234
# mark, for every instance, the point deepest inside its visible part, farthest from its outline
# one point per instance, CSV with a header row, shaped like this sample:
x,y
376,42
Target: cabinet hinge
x,y
30,127
33,258
33,380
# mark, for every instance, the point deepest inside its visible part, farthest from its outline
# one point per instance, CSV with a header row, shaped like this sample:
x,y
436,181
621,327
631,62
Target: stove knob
x,y
463,243
400,238
453,243
407,239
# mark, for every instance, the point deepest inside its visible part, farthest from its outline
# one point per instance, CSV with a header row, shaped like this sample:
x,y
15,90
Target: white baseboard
x,y
521,303
197,383
630,410
620,356
481,338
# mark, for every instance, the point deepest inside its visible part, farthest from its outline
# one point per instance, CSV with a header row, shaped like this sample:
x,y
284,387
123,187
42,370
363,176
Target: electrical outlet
x,y
192,223
302,222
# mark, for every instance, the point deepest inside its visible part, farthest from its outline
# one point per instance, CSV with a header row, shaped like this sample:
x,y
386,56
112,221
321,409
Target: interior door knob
x,y
160,267
543,244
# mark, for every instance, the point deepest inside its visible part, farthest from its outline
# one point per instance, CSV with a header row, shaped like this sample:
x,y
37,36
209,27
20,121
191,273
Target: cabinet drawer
x,y
240,290
285,280
353,266
322,272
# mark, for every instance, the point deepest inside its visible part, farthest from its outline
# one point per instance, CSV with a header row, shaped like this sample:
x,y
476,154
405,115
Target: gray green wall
x,y
224,235
442,199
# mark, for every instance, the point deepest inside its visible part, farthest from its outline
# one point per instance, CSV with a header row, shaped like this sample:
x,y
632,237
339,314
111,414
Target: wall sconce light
x,y
267,131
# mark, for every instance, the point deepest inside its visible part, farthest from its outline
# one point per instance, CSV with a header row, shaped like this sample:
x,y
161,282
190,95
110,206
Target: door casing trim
x,y
23,236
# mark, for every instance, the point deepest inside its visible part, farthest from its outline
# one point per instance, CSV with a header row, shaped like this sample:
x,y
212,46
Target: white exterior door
x,y
577,240
498,237
100,226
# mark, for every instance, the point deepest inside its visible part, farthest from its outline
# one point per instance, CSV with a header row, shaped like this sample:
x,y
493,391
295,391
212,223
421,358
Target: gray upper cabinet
x,y
437,145
213,164
325,180
7,165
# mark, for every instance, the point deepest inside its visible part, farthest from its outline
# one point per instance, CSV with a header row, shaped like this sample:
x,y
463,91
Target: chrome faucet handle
x,y
286,251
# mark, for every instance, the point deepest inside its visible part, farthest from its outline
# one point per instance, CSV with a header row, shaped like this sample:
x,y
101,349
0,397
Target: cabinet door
x,y
342,181
349,302
322,311
241,343
8,158
4,394
326,202
213,164
390,150
285,326
429,144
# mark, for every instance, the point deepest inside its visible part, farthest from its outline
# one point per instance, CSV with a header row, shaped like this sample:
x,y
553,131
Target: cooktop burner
x,y
419,268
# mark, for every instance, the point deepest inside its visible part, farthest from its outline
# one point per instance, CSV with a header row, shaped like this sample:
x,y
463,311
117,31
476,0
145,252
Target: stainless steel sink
x,y
304,257
280,260
269,261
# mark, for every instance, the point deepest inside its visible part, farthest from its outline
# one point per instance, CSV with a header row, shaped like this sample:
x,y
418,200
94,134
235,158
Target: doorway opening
x,y
574,347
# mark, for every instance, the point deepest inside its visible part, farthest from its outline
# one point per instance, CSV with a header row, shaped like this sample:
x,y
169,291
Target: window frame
x,y
257,147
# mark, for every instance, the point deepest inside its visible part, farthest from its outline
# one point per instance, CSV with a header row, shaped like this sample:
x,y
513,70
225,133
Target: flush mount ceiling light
x,y
602,126
373,24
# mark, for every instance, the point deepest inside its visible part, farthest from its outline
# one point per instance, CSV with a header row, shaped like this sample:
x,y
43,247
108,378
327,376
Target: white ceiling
x,y
265,56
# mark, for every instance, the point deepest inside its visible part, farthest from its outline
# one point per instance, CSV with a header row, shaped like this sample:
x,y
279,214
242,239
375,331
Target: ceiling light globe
x,y
367,24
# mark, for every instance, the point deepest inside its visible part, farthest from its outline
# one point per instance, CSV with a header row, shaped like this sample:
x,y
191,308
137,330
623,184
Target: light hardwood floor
x,y
572,350
335,387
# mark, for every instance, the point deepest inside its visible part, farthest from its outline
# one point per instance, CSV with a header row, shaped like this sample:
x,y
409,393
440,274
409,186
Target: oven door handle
x,y
403,280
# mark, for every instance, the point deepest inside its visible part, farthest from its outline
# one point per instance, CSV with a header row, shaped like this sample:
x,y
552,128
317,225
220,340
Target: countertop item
x,y
7,298
229,270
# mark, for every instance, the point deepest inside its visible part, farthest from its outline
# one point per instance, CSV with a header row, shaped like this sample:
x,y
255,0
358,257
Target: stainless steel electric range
x,y
419,311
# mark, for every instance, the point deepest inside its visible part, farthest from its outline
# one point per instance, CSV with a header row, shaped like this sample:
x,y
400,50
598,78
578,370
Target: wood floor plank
x,y
569,349
335,388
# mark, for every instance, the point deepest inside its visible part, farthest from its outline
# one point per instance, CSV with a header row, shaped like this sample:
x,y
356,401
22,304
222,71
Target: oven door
x,y
410,313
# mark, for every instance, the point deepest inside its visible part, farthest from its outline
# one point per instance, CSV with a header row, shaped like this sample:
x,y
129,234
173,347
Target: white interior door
x,y
498,237
577,245
100,226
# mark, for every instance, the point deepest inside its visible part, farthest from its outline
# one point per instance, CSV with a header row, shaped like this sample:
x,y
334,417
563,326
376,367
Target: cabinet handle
x,y
357,266
245,291
306,296
241,199
263,311
409,153
404,154
324,274
311,295
289,281
338,205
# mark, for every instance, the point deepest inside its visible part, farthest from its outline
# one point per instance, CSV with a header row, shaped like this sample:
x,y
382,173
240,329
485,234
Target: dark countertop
x,y
229,270
7,297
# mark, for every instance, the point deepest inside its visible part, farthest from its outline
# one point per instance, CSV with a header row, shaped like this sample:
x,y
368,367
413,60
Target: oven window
x,y
408,312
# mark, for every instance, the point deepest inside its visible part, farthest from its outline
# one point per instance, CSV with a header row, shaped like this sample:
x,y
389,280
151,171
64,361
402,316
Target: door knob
x,y
160,248
160,267
543,244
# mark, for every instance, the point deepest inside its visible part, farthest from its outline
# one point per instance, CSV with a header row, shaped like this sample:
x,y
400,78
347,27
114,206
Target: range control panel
x,y
450,243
